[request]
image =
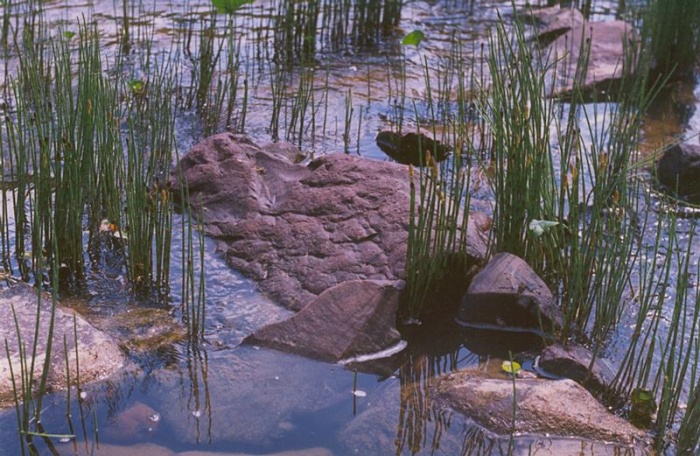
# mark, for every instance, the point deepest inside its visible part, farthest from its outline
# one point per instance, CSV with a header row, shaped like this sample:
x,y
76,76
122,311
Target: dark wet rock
x,y
573,362
552,407
135,423
248,396
301,229
411,148
98,354
678,170
562,32
353,318
508,293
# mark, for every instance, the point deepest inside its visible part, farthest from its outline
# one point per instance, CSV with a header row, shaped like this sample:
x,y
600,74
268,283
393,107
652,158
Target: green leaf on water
x,y
539,227
511,367
137,86
68,34
413,39
229,6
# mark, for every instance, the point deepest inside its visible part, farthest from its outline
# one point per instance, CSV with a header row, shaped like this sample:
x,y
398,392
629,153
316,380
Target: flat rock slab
x,y
563,30
507,293
98,354
353,318
552,407
300,229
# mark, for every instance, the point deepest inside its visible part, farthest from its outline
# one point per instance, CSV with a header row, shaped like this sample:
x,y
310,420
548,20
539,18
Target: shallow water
x,y
222,397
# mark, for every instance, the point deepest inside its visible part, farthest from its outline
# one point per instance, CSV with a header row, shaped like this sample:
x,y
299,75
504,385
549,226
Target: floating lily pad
x,y
511,367
413,39
229,6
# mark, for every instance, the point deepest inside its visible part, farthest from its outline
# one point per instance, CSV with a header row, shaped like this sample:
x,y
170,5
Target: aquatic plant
x,y
437,234
89,148
672,30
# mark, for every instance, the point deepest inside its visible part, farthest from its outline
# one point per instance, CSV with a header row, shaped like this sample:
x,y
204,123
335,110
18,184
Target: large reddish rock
x,y
300,229
507,293
351,319
563,32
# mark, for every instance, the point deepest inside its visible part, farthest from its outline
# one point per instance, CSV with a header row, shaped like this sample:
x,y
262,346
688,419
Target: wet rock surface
x,y
300,229
353,318
552,407
678,170
403,418
508,293
573,362
563,31
99,355
411,148
135,423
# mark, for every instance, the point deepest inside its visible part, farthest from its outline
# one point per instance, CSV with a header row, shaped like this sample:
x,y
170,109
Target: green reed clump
x,y
519,115
84,150
296,31
439,193
689,432
560,179
662,356
672,29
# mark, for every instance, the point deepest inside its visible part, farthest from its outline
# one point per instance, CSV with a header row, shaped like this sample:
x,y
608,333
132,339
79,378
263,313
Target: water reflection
x,y
195,389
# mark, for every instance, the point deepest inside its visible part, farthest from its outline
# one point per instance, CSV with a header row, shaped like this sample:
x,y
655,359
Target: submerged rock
x,y
411,148
507,293
552,407
135,423
98,354
249,397
563,33
350,319
678,170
